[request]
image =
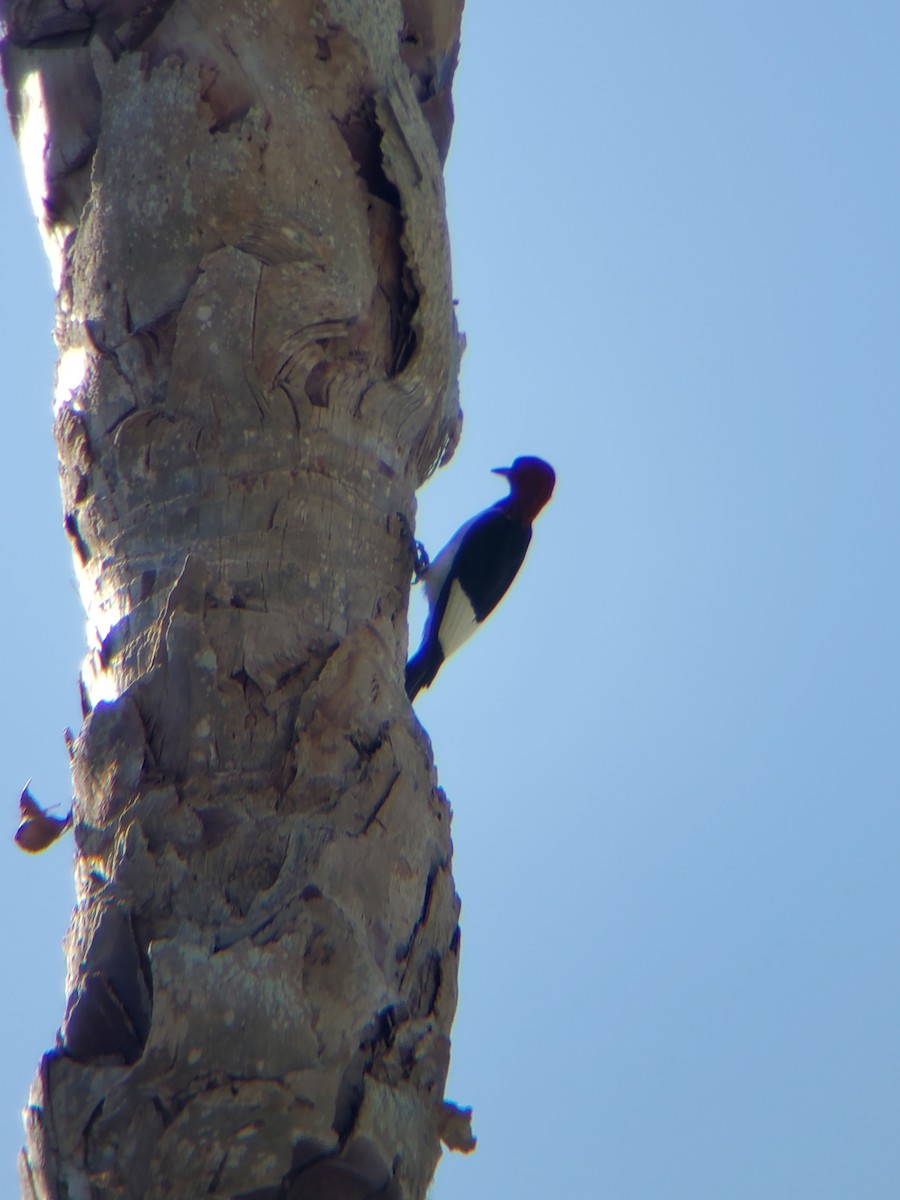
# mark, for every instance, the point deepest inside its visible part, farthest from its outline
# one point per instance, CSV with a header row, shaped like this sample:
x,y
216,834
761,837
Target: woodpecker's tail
x,y
422,668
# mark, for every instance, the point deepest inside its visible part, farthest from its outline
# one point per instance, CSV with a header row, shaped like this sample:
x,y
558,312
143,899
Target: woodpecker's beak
x,y
504,471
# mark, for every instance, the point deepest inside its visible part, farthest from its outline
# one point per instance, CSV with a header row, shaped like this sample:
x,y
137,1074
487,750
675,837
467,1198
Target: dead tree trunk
x,y
244,207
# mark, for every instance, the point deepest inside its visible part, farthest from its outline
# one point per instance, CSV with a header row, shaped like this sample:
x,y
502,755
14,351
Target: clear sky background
x,y
673,754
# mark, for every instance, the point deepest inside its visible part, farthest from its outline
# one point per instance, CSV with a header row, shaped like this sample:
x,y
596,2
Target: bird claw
x,y
421,561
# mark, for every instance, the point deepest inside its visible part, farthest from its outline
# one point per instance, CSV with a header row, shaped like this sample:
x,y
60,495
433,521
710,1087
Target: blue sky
x,y
673,752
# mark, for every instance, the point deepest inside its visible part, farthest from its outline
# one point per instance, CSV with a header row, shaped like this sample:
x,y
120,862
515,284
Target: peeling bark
x,y
244,207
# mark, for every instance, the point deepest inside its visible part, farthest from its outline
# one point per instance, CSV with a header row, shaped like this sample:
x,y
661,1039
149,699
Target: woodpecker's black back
x,y
485,565
489,559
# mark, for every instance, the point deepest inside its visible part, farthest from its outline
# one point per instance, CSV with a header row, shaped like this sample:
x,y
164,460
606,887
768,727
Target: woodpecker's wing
x,y
464,584
487,554
440,567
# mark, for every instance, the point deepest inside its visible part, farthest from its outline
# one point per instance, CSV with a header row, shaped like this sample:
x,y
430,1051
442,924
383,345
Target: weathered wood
x,y
245,209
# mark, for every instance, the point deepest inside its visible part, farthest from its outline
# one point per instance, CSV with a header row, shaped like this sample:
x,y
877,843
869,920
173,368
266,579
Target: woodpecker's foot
x,y
420,558
422,561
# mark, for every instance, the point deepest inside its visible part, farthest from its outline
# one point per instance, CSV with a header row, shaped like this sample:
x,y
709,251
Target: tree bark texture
x,y
244,206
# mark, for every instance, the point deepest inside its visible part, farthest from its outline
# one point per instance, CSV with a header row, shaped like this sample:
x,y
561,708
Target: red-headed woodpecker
x,y
472,574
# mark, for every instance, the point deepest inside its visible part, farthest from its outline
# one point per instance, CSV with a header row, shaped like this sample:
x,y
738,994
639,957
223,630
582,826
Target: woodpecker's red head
x,y
531,483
